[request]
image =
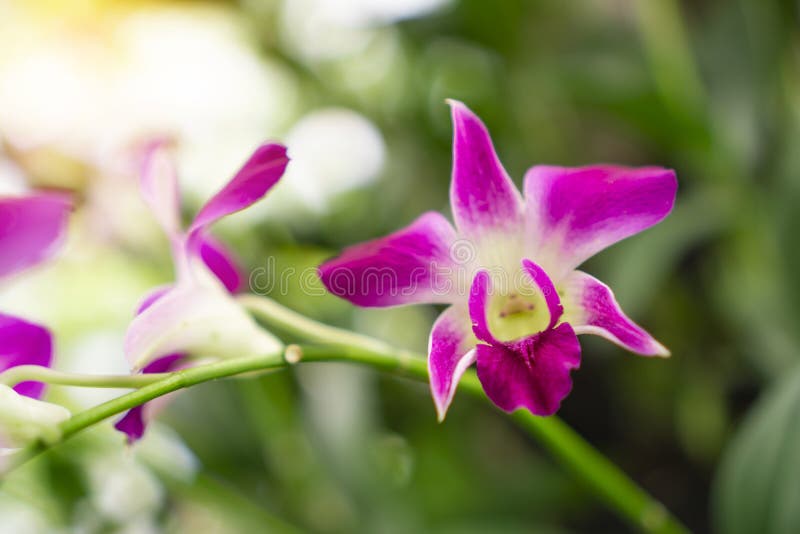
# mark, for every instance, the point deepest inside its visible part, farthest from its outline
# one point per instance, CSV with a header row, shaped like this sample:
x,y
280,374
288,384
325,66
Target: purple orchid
x,y
31,229
197,316
526,301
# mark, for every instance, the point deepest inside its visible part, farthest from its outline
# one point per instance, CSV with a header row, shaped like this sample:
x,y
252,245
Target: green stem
x,y
298,325
599,474
173,382
609,482
23,373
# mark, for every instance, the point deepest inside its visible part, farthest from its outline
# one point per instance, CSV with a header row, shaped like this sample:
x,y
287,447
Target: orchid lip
x,y
531,305
517,315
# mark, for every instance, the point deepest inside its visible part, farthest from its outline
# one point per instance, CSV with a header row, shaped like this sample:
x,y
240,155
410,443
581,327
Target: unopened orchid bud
x,y
23,419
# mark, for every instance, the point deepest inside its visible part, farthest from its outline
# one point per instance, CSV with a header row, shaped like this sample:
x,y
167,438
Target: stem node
x,y
293,354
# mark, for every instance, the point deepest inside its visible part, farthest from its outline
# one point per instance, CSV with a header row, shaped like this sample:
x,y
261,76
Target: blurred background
x,y
356,89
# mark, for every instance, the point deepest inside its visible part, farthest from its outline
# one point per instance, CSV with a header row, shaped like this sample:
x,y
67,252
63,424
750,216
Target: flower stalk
x,y
598,473
38,373
164,385
299,326
585,462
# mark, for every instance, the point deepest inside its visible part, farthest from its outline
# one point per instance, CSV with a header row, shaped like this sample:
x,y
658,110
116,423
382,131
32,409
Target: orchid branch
x,y
39,373
598,473
296,324
607,480
171,382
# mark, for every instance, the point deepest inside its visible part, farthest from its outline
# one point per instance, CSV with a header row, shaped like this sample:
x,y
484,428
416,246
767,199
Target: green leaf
x,y
757,488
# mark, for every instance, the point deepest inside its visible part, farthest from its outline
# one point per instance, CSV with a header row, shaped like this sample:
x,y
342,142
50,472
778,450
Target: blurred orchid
x,y
31,229
526,301
197,316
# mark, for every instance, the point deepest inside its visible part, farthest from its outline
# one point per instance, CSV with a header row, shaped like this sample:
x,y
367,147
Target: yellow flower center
x,y
517,314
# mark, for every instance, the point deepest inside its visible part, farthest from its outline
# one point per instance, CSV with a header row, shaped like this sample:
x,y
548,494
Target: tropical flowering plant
x,y
527,301
506,270
196,316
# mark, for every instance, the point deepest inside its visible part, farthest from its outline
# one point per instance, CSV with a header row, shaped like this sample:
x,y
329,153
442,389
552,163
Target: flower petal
x,y
592,309
547,288
153,296
482,196
135,421
478,305
23,419
413,265
24,343
159,183
451,350
133,424
577,212
263,170
198,319
533,373
31,229
221,261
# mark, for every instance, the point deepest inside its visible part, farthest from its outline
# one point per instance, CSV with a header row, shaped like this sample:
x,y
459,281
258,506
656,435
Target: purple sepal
x,y
412,265
221,262
482,195
256,177
24,343
31,229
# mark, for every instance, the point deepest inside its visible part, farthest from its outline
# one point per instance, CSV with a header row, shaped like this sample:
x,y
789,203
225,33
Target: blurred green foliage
x,y
756,489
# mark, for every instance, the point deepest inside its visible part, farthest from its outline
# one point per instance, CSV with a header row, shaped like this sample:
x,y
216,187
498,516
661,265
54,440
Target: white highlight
x,y
332,151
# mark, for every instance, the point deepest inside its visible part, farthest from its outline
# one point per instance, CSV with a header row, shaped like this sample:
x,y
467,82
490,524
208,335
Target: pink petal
x,y
482,196
263,170
573,213
478,304
31,229
533,373
133,424
592,309
413,265
152,297
221,261
547,288
196,319
451,350
24,343
160,190
135,421
159,183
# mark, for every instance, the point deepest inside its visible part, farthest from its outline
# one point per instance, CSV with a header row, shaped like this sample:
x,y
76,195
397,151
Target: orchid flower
x,y
525,301
31,229
196,316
